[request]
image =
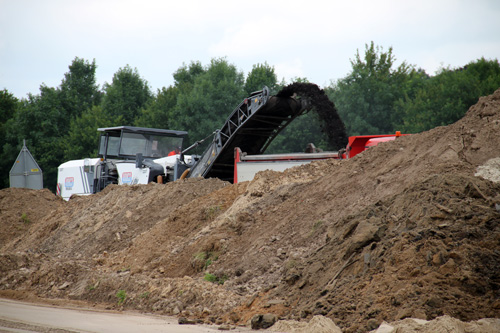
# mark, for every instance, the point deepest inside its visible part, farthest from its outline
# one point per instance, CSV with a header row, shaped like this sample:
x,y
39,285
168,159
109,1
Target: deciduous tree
x,y
261,75
365,98
215,92
126,95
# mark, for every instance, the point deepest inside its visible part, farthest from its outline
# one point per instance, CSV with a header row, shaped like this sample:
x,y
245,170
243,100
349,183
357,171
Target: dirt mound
x,y
442,324
409,228
111,219
22,208
317,324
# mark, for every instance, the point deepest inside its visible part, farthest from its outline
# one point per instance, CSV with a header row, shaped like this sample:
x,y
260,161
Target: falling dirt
x,y
407,229
331,123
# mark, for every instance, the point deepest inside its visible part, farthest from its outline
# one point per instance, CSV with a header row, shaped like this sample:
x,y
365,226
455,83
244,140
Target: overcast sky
x,y
311,39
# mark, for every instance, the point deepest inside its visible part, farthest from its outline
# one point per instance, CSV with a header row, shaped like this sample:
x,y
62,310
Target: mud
x,y
407,229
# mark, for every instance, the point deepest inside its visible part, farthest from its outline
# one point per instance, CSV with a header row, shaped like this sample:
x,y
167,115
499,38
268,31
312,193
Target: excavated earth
x,y
407,229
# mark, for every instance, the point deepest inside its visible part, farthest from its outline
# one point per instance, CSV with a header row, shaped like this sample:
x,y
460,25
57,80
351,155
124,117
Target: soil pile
x,y
21,208
409,228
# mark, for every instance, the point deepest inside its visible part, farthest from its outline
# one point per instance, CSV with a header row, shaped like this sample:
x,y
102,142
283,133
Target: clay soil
x,y
409,228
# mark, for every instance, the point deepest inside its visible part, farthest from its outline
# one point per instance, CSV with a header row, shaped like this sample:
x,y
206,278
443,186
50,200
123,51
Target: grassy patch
x,y
215,279
316,226
121,295
210,213
25,219
205,258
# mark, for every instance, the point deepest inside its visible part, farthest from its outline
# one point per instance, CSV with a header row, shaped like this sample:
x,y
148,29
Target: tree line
x,y
376,97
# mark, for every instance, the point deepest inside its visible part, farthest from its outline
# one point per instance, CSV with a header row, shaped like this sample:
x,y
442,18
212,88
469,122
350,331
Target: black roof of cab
x,y
132,129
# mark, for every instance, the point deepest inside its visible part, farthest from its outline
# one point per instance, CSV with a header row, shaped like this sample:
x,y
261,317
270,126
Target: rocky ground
x,y
407,229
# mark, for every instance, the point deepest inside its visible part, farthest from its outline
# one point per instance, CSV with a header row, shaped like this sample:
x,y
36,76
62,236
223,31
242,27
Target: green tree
x,y
365,98
43,121
78,89
157,113
215,92
261,75
186,75
445,98
8,153
127,94
82,139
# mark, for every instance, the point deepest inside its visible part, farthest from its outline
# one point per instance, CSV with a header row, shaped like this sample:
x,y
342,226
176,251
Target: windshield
x,y
128,145
153,146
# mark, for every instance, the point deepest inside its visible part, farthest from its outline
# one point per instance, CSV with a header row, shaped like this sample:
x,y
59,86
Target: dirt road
x,y
18,316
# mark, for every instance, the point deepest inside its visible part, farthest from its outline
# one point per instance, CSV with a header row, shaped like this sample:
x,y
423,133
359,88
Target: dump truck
x,y
136,155
246,166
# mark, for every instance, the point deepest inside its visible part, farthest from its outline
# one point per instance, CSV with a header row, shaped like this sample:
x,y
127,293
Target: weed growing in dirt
x,y
205,259
94,286
214,279
145,294
210,277
25,219
211,212
121,295
316,226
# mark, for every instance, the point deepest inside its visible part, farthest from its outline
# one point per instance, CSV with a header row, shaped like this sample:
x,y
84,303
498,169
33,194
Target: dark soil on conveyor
x,y
331,124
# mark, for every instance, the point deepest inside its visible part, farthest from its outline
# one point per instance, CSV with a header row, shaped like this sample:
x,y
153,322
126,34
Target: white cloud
x,y
313,39
289,69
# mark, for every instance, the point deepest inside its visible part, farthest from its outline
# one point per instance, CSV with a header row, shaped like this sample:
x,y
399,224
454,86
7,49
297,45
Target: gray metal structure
x,y
251,127
25,173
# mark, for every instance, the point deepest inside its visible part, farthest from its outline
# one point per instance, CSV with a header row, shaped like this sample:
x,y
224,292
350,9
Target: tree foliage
x,y
157,113
446,97
365,98
206,98
261,75
45,119
82,139
126,95
79,90
8,106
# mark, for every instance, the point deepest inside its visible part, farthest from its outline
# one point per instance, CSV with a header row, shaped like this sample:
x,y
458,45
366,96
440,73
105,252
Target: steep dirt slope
x,y
22,208
405,229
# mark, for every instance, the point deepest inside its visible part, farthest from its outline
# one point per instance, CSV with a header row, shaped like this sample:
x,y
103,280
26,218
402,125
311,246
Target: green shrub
x,y
121,295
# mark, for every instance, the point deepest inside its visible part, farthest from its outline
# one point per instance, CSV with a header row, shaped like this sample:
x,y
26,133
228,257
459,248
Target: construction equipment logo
x,y
127,177
69,182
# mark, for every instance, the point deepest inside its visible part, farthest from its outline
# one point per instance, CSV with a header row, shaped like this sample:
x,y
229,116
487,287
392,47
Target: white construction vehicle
x,y
127,155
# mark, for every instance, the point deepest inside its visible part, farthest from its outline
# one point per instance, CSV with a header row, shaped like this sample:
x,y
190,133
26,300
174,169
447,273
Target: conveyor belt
x,y
251,126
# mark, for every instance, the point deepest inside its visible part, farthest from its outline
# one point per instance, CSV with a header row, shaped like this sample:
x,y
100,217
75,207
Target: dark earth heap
x,y
409,228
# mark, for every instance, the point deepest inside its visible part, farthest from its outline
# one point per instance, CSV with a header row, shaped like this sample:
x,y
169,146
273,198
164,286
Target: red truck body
x,y
360,143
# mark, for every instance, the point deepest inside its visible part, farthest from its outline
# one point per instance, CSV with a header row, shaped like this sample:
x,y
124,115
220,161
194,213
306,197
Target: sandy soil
x,y
407,229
